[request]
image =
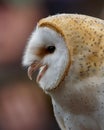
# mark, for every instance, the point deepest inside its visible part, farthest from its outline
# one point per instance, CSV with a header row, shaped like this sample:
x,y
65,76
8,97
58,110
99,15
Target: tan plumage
x,y
73,75
84,37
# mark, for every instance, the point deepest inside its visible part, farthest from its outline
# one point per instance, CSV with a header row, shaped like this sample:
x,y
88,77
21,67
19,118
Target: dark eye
x,y
51,49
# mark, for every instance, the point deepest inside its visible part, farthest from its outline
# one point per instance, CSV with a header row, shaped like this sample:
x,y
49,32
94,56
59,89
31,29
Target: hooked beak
x,y
35,66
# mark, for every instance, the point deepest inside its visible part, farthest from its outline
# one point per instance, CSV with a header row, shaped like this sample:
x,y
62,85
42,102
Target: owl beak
x,y
35,66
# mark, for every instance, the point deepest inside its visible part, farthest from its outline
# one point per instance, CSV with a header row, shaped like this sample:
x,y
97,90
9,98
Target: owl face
x,y
47,52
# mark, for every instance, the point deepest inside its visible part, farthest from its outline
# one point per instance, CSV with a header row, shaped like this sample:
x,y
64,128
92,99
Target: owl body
x,y
80,107
69,51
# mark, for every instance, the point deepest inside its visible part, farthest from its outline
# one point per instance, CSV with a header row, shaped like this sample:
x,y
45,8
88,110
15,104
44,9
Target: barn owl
x,y
68,51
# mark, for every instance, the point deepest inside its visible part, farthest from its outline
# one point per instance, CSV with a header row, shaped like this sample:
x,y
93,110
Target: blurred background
x,y
23,106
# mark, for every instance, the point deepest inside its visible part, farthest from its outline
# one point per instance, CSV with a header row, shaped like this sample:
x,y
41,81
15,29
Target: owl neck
x,y
73,91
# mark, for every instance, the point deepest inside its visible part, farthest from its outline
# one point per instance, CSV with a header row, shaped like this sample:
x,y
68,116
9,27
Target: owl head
x,y
57,42
47,52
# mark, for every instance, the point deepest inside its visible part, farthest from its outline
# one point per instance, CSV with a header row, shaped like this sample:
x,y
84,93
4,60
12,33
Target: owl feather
x,y
68,51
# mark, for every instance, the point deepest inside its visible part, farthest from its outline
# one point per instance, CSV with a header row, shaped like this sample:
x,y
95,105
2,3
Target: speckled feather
x,y
78,100
84,36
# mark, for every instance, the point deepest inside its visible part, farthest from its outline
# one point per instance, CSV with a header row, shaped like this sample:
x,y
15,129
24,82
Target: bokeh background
x,y
23,105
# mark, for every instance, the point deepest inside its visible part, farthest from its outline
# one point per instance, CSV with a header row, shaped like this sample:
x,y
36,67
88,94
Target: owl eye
x,y
50,49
